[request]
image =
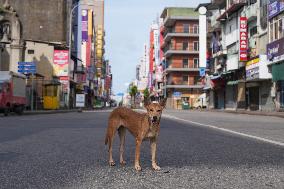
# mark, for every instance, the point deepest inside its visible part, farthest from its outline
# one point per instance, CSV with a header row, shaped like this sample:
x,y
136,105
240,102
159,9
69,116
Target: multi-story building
x,y
240,78
180,32
275,50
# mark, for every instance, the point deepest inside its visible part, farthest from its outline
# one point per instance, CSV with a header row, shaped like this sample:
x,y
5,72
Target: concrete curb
x,y
48,112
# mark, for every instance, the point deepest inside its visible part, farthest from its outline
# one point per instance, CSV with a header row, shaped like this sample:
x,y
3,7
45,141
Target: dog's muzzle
x,y
155,119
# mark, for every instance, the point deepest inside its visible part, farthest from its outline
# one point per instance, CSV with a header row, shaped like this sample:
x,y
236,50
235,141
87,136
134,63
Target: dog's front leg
x,y
137,154
153,143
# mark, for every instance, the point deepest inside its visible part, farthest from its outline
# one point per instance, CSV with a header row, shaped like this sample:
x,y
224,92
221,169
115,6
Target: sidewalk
x,y
260,113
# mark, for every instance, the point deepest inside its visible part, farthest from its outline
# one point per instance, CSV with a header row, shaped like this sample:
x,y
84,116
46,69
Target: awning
x,y
213,77
233,82
278,72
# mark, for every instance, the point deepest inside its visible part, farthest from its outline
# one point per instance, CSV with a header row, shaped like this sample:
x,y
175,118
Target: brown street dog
x,y
141,125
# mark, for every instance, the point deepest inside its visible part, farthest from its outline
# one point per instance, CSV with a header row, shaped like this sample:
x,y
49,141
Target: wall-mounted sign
x,y
275,50
252,69
84,25
275,7
243,54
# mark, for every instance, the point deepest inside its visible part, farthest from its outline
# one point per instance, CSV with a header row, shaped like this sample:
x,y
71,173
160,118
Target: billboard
x,y
275,50
275,7
243,54
60,62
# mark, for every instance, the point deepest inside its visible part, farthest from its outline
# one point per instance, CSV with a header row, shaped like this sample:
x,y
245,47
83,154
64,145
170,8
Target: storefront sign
x,y
60,62
252,69
275,7
243,39
275,50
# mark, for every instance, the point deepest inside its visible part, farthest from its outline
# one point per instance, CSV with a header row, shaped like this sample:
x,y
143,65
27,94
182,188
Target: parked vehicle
x,y
12,92
200,102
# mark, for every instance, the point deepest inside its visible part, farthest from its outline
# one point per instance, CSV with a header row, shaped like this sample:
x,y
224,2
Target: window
x,y
196,80
196,46
186,28
185,63
30,51
196,29
184,46
276,28
185,79
196,63
253,31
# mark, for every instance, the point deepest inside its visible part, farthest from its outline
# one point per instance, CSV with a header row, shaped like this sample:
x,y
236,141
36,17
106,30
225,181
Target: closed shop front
x,y
278,77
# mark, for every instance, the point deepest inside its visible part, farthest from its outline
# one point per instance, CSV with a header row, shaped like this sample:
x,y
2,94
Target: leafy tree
x,y
133,92
146,93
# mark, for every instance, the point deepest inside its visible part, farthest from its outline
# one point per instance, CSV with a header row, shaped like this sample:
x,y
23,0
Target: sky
x,y
127,26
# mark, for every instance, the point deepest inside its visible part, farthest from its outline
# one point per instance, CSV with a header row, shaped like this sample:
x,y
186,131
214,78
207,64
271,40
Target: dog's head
x,y
154,110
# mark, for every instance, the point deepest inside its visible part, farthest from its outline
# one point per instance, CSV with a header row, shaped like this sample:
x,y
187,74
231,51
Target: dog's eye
x,y
151,110
158,110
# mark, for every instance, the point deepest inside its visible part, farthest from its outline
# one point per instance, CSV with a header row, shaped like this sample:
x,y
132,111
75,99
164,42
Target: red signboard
x,y
243,39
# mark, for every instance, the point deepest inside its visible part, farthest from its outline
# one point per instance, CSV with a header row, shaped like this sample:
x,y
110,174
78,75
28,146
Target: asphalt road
x,y
68,151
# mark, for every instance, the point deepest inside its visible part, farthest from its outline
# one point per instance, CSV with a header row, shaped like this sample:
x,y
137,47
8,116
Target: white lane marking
x,y
227,130
97,111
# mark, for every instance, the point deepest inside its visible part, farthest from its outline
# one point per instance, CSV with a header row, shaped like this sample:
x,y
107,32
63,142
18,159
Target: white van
x,y
200,102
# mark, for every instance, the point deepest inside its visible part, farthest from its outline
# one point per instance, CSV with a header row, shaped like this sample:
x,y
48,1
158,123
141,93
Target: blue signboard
x,y
177,94
27,67
275,7
202,72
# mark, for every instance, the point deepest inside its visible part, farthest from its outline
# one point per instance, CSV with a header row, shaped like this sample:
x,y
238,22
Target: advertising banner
x,y
84,25
275,7
65,83
159,73
243,54
252,69
275,50
60,62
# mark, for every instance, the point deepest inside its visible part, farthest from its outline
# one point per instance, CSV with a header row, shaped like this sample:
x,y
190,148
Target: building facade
x,y
180,45
275,50
239,73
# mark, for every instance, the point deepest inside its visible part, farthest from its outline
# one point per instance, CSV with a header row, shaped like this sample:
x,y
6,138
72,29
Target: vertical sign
x,y
60,62
243,39
202,40
84,25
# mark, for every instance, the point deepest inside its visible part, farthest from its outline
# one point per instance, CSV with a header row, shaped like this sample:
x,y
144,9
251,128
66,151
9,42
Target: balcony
x,y
170,69
180,51
184,86
232,6
251,12
214,22
181,32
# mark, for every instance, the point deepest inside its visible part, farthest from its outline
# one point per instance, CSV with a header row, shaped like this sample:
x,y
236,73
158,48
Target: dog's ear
x,y
146,102
163,102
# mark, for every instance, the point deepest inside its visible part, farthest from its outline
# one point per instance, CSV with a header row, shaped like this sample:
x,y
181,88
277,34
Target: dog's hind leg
x,y
121,133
